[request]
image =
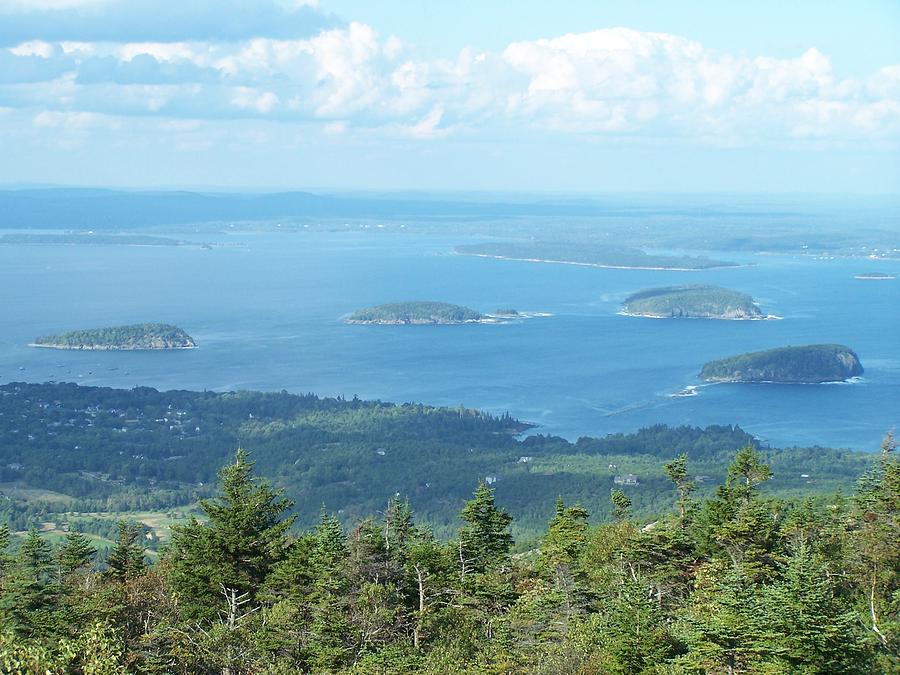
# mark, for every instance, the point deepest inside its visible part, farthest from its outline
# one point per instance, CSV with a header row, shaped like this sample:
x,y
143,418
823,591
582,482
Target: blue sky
x,y
585,97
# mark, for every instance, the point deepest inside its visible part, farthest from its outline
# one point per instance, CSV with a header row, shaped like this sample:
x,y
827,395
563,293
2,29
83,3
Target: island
x,y
507,313
124,338
692,302
590,255
417,313
875,276
808,364
90,240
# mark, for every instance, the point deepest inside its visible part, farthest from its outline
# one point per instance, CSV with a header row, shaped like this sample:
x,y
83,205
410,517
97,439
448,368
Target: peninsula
x,y
417,313
809,364
124,338
692,302
875,276
590,255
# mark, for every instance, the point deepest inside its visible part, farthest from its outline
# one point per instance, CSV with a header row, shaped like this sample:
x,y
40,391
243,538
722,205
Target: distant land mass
x,y
91,239
591,255
417,313
875,276
809,364
132,337
692,302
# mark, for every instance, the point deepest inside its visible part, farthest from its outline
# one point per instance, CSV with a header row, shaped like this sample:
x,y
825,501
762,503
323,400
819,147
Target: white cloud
x,y
33,48
249,98
606,82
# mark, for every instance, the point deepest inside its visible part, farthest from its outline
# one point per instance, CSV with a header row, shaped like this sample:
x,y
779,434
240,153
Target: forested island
x,y
417,313
131,337
692,302
809,364
724,571
591,255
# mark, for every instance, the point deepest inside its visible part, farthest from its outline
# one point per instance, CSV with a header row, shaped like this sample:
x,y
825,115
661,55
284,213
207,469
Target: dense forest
x,y
693,301
135,336
803,364
415,312
738,582
75,457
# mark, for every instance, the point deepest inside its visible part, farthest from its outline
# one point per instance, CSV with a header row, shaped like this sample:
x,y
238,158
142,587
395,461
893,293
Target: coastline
x,y
107,348
599,265
767,317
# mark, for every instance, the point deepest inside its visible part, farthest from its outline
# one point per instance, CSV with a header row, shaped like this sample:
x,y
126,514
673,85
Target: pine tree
x,y
126,560
75,554
564,542
812,631
29,598
485,539
244,536
621,504
676,470
746,472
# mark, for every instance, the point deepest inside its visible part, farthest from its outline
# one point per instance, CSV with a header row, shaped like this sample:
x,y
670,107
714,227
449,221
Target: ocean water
x,y
267,315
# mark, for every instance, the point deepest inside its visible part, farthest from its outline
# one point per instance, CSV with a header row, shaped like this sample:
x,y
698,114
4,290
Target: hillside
x,y
807,364
692,302
99,451
136,336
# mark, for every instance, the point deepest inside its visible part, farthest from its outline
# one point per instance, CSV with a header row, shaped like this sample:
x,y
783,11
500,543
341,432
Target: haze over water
x,y
267,315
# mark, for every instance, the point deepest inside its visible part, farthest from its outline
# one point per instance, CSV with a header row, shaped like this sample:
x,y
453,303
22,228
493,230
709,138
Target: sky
x,y
576,96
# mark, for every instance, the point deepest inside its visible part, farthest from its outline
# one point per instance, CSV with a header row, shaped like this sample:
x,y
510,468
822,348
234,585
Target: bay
x,y
267,314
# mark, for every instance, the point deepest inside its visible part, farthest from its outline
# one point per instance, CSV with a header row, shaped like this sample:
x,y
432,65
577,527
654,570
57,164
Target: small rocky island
x,y
417,313
692,302
124,338
809,364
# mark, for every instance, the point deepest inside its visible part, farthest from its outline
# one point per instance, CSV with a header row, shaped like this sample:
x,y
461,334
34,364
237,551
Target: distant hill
x,y
136,336
416,313
101,209
808,364
692,302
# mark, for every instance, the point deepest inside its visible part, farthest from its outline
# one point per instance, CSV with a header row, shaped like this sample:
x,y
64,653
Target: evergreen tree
x,y
811,630
621,504
676,470
28,601
244,536
485,539
126,560
746,472
75,554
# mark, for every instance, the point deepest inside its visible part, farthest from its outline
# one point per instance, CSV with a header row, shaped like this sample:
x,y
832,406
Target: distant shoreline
x,y
600,265
106,348
767,317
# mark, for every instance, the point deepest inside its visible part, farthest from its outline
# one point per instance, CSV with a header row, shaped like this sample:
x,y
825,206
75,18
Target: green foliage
x,y
135,336
318,449
126,560
243,537
485,539
806,364
695,301
742,583
415,312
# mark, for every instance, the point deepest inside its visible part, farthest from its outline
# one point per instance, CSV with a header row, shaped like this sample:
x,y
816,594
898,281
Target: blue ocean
x,y
266,313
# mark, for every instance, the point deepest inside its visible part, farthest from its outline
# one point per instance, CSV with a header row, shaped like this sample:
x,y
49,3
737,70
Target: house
x,y
627,479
